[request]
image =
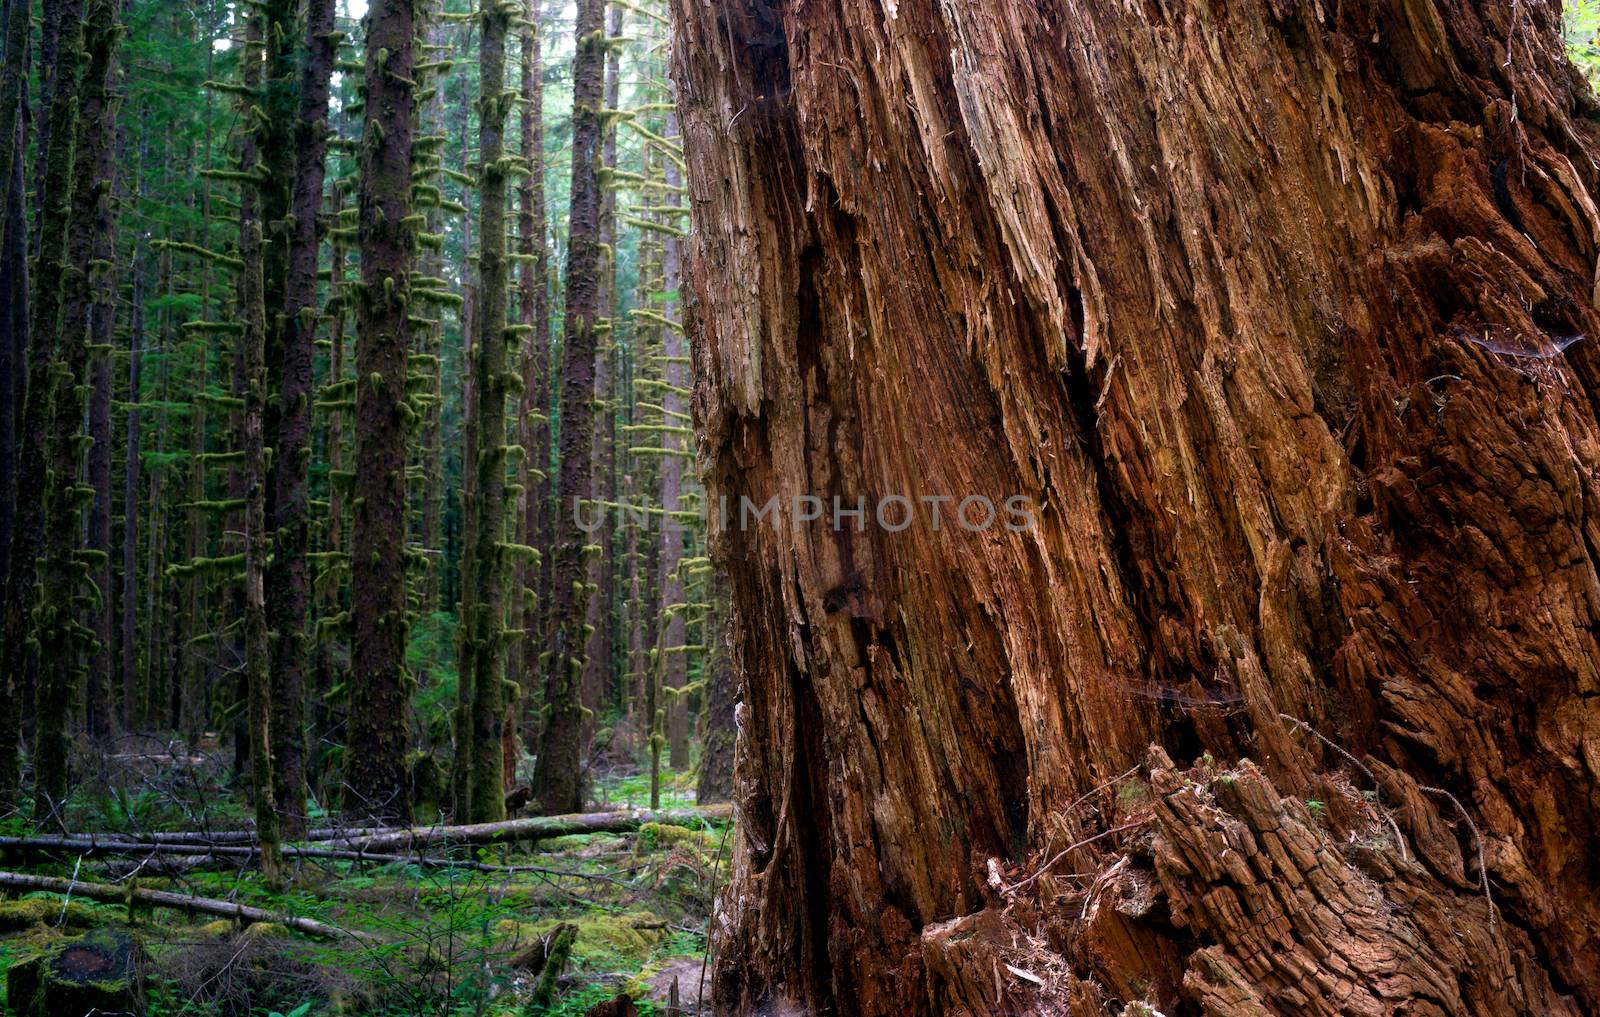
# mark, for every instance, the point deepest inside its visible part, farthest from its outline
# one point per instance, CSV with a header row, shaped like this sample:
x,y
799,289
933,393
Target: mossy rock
x,y
604,943
265,930
19,915
222,928
576,842
101,972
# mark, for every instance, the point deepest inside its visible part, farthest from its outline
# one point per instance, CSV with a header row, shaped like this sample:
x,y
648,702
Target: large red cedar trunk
x,y
1263,303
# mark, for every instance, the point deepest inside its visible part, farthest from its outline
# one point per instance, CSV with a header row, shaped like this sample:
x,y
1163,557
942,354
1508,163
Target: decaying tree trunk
x,y
1282,317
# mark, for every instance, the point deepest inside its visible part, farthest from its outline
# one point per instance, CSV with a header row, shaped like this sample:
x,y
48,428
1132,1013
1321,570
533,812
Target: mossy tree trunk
x,y
597,671
558,780
533,313
251,371
717,726
100,702
85,109
18,646
482,684
674,617
15,332
288,591
1263,307
380,685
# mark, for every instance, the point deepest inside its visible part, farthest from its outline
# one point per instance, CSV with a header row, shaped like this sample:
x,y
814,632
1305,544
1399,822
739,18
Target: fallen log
x,y
91,846
243,913
611,821
534,827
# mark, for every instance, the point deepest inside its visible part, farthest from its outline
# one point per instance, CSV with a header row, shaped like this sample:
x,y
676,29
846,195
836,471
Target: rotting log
x,y
381,837
1282,318
131,895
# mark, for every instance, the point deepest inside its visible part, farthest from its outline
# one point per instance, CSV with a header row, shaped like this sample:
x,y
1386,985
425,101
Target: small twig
x,y
1394,827
1477,840
700,999
1019,887
66,898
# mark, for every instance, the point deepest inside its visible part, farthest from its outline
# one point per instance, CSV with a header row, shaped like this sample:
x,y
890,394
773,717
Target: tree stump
x,y
101,972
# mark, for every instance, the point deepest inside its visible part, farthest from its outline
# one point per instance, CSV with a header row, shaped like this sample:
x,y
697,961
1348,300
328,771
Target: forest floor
x,y
440,941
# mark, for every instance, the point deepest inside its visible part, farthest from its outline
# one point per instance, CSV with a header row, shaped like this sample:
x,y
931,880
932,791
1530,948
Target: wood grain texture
x,y
1271,308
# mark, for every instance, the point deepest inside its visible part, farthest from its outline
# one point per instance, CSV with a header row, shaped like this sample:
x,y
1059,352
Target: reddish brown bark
x,y
533,312
1262,306
375,744
481,704
558,777
287,581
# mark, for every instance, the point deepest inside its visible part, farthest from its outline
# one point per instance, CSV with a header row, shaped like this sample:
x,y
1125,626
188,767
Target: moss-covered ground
x,y
443,941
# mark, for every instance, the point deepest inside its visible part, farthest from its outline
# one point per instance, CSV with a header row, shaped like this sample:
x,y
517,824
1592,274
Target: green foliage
x,y
1580,24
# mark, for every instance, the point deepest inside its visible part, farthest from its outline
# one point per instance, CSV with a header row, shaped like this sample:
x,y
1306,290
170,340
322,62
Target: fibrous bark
x,y
1281,318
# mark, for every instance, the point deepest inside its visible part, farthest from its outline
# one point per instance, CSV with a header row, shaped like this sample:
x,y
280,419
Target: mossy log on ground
x,y
543,827
132,895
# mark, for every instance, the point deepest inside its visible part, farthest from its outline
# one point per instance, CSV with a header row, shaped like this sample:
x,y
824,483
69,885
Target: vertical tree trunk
x,y
251,370
15,335
14,18
130,501
100,694
722,689
1262,309
52,15
197,677
83,109
558,780
288,595
132,448
482,683
597,672
675,668
533,313
379,699
431,436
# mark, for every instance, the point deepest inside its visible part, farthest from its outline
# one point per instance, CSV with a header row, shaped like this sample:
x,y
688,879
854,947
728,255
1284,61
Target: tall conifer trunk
x,y
250,370
288,592
674,668
83,109
17,643
482,688
15,334
1282,319
558,781
379,683
597,672
533,313
100,707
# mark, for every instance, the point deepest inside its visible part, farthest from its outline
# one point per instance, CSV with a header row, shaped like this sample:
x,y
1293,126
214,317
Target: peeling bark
x,y
1271,311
